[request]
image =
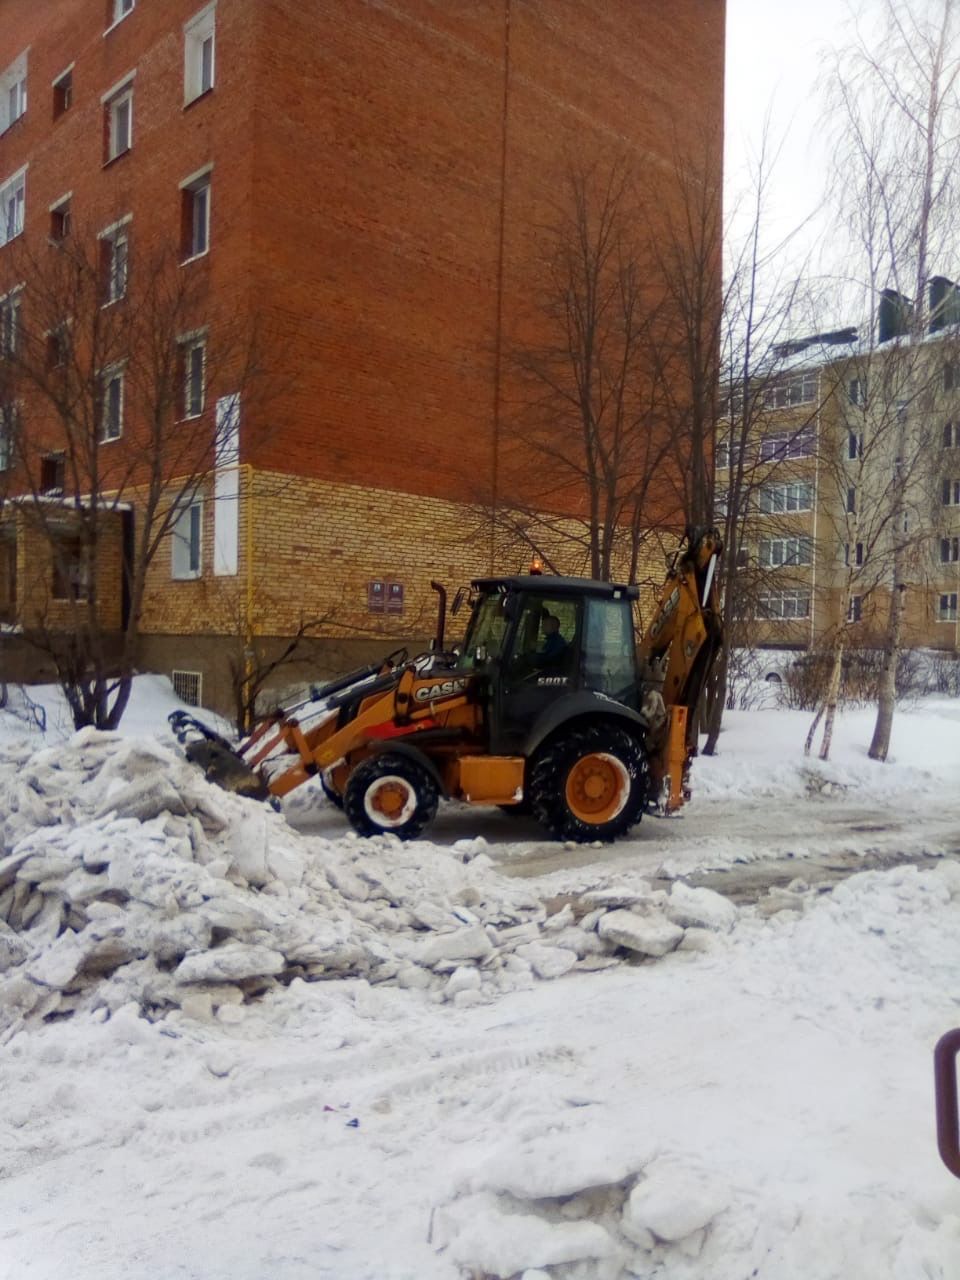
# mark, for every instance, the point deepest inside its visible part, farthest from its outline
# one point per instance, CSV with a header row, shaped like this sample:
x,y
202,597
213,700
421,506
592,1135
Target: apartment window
x,y
851,501
63,94
721,501
947,612
9,323
71,570
855,609
9,426
777,445
13,92
949,376
115,262
195,217
949,550
57,347
726,455
198,54
800,389
60,220
857,390
118,122
111,407
187,534
951,435
951,493
783,604
778,552
193,357
857,554
13,199
854,445
117,10
777,498
53,473
743,557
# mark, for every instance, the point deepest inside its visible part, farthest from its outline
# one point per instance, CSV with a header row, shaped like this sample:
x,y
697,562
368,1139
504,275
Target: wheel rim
x,y
390,801
597,788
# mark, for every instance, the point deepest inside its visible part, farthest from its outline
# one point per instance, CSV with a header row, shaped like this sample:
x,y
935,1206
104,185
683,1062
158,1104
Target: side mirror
x,y
458,599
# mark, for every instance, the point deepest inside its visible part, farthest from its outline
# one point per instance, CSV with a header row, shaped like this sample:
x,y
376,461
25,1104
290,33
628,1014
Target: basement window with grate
x,y
188,686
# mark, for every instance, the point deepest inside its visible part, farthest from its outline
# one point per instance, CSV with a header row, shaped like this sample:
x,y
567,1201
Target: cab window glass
x,y
609,662
487,630
546,631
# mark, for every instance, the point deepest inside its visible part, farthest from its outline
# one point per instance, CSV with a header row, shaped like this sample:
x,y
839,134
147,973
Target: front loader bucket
x,y
205,747
226,769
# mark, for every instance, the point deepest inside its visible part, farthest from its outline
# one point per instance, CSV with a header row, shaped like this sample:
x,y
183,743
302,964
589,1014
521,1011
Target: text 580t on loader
x,y
549,706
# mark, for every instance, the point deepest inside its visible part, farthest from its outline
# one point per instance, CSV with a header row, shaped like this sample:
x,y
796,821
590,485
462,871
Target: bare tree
x,y
110,385
589,441
896,105
759,304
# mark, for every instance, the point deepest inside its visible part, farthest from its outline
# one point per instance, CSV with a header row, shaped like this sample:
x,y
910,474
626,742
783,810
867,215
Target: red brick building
x,y
365,180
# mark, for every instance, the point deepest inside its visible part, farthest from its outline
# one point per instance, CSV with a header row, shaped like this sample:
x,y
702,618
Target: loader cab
x,y
540,640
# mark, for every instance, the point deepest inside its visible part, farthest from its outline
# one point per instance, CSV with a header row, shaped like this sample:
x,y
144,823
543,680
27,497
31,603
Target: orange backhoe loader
x,y
548,706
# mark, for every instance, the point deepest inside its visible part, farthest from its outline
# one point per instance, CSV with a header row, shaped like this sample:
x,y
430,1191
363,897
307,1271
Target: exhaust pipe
x,y
437,645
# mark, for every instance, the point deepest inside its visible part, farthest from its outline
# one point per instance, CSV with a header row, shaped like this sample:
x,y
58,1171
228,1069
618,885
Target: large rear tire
x,y
390,795
590,783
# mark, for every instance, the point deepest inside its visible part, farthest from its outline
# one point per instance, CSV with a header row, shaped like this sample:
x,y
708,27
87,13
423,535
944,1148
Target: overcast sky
x,y
773,62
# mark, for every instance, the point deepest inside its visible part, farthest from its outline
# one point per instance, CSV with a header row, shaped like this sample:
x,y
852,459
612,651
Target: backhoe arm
x,y
677,654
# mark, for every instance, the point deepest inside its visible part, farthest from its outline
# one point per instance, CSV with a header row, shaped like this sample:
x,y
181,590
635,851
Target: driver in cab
x,y
554,646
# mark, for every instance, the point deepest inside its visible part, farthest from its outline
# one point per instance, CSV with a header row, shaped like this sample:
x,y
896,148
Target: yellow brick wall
x,y
315,547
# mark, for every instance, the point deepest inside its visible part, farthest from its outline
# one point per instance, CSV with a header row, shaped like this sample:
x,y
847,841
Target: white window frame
x,y
855,609
115,373
13,92
947,607
777,445
191,188
13,205
726,455
61,207
791,552
950,493
186,541
784,606
120,95
119,10
117,276
800,388
65,90
188,345
200,32
949,550
786,499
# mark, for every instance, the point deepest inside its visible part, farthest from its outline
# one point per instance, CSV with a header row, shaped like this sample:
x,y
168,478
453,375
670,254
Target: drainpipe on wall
x,y
816,511
248,653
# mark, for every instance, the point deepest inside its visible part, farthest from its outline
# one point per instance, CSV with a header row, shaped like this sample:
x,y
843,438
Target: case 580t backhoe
x,y
549,706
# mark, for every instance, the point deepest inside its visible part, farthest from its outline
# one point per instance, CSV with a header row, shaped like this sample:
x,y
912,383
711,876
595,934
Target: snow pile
x,y
125,876
747,1152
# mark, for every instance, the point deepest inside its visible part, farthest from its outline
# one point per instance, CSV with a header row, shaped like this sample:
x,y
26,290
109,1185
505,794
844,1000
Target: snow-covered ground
x,y
237,1046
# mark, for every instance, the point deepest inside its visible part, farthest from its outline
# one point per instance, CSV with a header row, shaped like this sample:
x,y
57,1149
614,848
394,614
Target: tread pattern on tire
x,y
553,763
367,772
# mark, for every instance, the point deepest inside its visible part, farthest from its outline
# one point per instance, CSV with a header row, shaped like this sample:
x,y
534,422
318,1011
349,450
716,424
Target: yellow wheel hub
x,y
597,788
390,801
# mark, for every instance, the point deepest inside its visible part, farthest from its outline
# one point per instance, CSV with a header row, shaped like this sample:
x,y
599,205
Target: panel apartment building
x,y
851,457
358,185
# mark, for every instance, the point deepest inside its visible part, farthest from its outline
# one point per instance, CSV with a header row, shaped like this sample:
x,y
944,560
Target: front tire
x,y
590,783
390,795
